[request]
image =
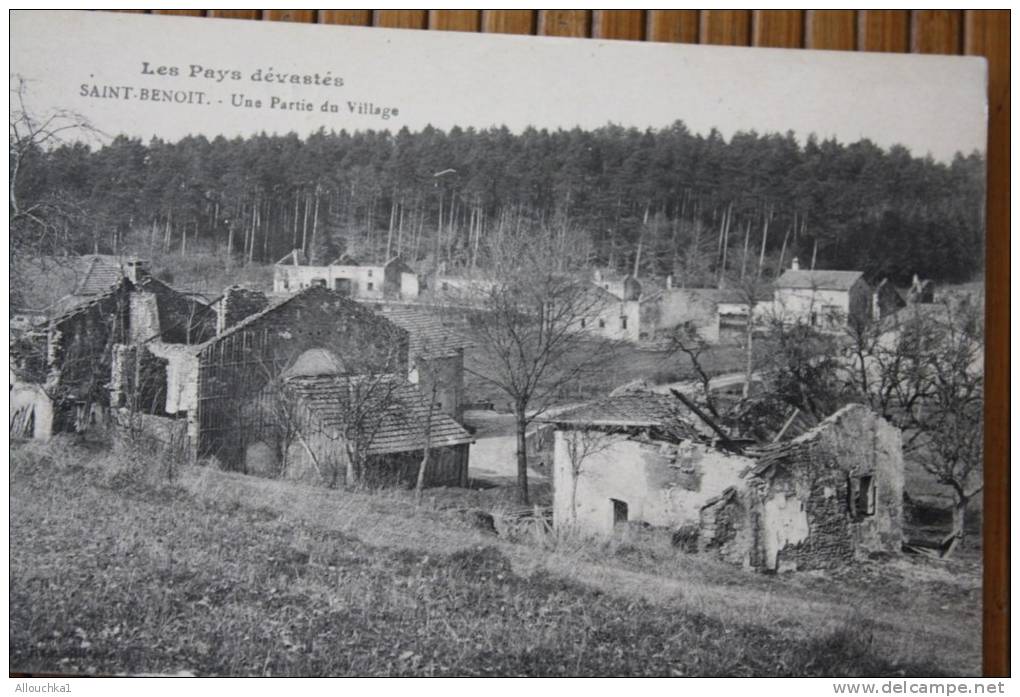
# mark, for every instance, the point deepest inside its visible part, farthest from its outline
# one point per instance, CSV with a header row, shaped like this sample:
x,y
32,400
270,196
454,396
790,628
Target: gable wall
x,y
662,484
237,366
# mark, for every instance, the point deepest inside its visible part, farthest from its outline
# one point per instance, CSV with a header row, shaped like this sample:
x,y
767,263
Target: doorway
x,y
619,511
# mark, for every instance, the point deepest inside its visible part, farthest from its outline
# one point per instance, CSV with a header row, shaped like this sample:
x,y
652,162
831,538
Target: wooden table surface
x,y
958,32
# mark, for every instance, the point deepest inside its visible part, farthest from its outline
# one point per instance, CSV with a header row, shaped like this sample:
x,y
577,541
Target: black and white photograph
x,y
344,351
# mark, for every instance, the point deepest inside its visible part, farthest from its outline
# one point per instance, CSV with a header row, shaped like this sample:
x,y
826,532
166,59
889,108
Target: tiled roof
x,y
103,271
632,409
819,279
427,335
397,424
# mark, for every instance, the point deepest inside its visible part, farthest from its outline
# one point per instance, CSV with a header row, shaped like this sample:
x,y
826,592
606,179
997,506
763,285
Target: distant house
x,y
612,316
823,298
392,279
822,499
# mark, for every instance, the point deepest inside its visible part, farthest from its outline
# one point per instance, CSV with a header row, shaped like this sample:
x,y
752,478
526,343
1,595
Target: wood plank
x,y
778,28
235,14
455,20
834,30
936,31
401,19
618,24
677,26
305,16
883,30
180,13
725,27
564,22
357,18
986,33
509,21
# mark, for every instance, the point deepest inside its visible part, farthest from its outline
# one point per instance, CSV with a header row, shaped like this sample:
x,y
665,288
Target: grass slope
x,y
113,570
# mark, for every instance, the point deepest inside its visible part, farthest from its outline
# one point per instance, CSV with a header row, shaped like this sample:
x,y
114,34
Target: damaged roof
x,y
636,409
396,424
797,448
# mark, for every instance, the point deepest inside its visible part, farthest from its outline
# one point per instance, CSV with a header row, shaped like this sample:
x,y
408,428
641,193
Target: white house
x,y
390,280
823,298
612,317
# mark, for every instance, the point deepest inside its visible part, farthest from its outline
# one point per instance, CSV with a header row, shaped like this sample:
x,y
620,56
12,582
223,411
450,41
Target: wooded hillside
x,y
655,201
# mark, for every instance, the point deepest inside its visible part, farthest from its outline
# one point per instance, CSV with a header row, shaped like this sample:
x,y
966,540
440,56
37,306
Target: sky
x,y
74,60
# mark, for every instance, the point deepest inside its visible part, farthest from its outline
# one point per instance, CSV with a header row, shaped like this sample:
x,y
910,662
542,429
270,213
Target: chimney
x,y
136,270
795,264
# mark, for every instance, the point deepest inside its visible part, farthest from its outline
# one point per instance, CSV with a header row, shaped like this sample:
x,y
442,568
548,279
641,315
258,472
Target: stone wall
x,y
236,304
444,374
811,480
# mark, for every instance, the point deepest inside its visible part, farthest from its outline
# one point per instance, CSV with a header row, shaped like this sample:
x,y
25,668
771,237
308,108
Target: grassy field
x,y
114,569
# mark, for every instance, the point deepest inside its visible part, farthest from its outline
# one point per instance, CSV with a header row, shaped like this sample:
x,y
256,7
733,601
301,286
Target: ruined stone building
x,y
61,366
822,499
391,279
298,381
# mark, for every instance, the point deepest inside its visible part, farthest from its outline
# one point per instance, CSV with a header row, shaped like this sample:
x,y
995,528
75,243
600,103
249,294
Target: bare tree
x,y
924,373
686,340
582,444
538,325
43,222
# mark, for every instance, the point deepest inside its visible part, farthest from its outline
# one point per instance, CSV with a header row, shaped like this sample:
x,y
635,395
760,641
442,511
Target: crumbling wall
x,y
78,356
138,379
663,484
156,435
236,304
724,528
31,412
808,516
144,317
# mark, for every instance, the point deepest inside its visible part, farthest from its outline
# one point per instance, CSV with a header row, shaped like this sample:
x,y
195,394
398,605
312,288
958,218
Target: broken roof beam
x,y
727,442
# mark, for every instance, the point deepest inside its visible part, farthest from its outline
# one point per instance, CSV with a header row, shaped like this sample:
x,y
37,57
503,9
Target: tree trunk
x,y
958,532
749,368
522,458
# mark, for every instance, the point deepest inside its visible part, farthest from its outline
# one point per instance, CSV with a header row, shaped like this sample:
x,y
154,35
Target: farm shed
x,y
382,420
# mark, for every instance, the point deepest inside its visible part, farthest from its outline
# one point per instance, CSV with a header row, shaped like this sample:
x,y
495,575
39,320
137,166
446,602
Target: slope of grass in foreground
x,y
110,574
